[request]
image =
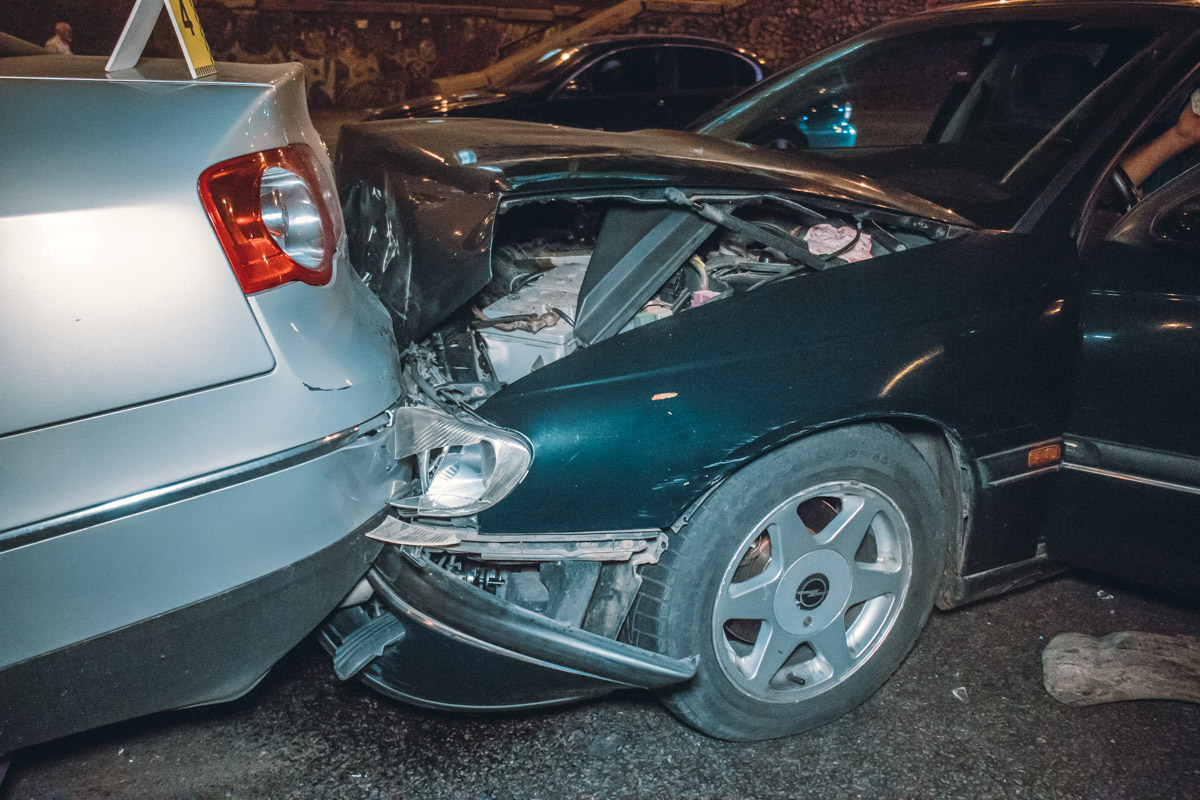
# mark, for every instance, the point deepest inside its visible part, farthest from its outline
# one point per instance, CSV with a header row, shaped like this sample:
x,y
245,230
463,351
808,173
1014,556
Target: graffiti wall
x,y
781,33
358,61
365,53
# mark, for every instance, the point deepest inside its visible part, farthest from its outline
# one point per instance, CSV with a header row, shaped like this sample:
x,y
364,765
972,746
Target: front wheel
x,y
802,582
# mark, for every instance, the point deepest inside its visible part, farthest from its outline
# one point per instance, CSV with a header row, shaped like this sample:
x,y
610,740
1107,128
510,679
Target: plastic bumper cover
x,y
463,648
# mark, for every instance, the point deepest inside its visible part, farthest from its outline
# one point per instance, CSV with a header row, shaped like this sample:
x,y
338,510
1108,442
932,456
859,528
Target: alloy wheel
x,y
812,591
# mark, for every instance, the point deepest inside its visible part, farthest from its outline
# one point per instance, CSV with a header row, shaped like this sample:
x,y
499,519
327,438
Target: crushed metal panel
x,y
418,235
636,253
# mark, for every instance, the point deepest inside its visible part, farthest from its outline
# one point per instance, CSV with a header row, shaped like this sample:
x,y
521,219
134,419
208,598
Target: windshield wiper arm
x,y
790,246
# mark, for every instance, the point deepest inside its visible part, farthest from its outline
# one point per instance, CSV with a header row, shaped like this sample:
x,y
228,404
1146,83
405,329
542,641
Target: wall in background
x,y
781,33
361,53
367,58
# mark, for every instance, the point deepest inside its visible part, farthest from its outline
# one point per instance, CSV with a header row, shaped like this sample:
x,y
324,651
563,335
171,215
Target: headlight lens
x,y
459,474
462,466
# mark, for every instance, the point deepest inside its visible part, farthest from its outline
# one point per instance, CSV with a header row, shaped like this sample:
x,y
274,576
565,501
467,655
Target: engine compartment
x,y
553,257
568,272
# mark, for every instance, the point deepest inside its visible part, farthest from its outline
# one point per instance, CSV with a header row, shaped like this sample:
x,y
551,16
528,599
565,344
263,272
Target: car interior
x,y
973,118
1116,197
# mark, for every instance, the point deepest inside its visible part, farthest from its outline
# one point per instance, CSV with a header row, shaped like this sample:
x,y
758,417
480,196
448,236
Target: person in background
x,y
60,44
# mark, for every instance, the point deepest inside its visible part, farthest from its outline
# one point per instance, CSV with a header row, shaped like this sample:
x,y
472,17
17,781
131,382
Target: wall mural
x,y
359,62
372,59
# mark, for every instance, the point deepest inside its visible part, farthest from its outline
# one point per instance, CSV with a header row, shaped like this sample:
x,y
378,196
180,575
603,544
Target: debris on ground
x,y
606,746
1082,670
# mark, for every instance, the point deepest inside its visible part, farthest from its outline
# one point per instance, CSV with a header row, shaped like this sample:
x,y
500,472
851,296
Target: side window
x,y
1152,195
703,69
745,73
630,71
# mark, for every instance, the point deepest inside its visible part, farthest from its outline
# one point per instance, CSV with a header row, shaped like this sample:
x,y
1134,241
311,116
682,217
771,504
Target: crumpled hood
x,y
420,196
519,156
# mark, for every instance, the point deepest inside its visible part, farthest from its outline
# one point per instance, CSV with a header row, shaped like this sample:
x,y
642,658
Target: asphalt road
x,y
302,734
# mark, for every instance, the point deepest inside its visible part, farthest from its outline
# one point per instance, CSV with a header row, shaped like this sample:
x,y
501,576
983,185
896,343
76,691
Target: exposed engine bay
x,y
569,272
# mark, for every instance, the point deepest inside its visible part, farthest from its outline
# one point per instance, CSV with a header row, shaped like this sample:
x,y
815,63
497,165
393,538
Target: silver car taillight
x,y
271,217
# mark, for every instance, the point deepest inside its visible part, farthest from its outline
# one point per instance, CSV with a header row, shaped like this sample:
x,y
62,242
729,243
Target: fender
x,y
629,432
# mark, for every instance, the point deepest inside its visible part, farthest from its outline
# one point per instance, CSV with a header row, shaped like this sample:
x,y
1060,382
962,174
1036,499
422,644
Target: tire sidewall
x,y
875,456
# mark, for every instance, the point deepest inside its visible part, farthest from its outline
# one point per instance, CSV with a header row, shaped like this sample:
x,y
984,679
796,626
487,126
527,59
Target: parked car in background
x,y
617,83
783,398
198,419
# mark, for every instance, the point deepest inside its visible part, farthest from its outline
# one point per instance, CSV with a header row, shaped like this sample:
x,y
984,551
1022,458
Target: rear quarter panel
x,y
131,358
180,375
110,273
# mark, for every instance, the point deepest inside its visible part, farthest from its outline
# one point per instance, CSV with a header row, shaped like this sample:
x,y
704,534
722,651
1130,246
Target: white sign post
x,y
140,25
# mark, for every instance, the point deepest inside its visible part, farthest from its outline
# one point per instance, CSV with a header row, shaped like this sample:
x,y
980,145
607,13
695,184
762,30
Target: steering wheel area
x,y
1129,194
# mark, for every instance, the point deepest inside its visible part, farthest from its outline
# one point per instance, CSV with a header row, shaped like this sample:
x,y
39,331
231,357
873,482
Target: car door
x,y
1130,483
704,76
620,91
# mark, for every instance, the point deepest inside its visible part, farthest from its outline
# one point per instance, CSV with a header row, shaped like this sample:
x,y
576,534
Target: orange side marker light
x,y
1045,456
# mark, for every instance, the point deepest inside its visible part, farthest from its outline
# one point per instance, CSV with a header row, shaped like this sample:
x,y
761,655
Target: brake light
x,y
272,217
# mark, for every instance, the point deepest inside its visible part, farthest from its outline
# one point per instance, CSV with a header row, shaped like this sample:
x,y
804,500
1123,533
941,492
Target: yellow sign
x,y
191,37
140,25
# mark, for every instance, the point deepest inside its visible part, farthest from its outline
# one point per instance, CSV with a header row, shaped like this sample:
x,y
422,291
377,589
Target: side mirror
x,y
1166,217
1180,225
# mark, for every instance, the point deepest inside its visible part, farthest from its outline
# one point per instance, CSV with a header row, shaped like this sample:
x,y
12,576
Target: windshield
x,y
965,116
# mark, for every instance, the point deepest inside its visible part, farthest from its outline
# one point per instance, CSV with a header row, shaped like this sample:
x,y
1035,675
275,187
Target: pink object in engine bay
x,y
848,243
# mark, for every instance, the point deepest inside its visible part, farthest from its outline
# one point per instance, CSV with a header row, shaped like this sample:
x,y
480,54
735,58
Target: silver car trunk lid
x,y
101,245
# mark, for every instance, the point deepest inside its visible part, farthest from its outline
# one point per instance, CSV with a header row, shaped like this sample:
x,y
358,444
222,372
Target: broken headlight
x,y
462,466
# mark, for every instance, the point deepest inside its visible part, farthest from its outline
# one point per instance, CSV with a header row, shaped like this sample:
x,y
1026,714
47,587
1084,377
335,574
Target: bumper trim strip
x,y
189,488
418,583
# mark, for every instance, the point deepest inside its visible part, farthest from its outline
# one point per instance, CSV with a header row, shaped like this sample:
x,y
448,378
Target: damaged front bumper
x,y
432,639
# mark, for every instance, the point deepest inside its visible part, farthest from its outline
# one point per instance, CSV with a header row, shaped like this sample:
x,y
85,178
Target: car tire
x,y
802,582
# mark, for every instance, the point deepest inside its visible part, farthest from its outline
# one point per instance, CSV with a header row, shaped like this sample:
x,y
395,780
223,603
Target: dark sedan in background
x,y
617,83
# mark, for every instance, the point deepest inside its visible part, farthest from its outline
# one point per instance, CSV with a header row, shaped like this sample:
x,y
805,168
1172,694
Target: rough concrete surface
x,y
964,717
367,53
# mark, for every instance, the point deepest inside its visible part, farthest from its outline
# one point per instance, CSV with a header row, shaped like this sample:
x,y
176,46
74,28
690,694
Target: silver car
x,y
197,394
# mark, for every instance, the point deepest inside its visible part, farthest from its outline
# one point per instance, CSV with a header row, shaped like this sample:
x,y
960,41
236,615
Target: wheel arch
x,y
679,607
938,444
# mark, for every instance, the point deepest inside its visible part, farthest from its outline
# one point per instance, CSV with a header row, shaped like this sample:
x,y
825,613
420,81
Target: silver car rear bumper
x,y
186,594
